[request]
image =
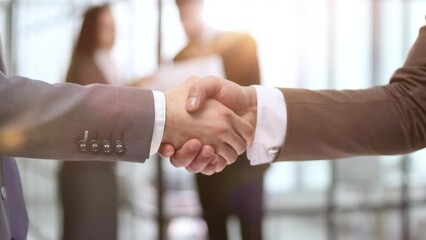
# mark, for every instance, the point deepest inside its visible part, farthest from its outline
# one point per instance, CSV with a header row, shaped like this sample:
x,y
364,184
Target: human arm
x,y
40,120
47,121
332,124
383,120
336,124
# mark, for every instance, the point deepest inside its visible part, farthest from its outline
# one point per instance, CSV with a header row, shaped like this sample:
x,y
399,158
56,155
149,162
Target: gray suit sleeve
x,y
378,121
40,120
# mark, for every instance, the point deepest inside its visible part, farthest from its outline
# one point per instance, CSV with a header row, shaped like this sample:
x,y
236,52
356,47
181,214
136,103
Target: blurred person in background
x,y
239,188
89,190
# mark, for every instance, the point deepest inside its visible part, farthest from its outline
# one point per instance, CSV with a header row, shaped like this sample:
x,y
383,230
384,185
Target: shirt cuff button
x,y
274,150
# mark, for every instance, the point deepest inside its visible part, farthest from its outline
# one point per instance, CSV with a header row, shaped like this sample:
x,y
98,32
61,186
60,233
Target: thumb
x,y
192,103
200,91
166,150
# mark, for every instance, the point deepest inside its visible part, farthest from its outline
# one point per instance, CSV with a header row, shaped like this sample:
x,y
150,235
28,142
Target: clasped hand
x,y
209,122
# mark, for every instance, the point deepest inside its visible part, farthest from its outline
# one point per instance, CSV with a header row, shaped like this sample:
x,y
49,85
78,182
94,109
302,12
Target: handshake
x,y
209,122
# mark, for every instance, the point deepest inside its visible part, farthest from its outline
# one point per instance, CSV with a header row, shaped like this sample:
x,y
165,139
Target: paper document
x,y
170,75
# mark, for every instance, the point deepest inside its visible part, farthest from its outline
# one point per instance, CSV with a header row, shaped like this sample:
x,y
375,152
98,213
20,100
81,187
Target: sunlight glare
x,y
229,15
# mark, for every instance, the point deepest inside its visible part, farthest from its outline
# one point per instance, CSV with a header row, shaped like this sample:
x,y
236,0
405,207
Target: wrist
x,y
159,121
250,113
169,134
252,96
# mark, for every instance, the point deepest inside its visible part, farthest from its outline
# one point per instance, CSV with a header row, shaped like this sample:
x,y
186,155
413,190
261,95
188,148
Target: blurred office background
x,y
301,43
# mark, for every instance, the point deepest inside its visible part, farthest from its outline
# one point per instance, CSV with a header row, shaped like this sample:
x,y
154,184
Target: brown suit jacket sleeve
x,y
39,120
377,121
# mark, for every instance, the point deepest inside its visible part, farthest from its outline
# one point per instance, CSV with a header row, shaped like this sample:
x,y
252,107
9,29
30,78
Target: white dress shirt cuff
x,y
160,119
271,126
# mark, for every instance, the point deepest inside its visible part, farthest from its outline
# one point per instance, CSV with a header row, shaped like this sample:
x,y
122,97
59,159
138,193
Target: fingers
x,y
215,166
200,91
196,157
186,155
227,152
245,129
230,143
207,162
237,98
198,160
223,134
237,134
166,150
227,133
233,143
205,157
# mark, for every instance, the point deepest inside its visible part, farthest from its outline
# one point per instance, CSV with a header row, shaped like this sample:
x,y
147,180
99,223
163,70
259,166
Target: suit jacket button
x,y
95,146
106,146
3,192
119,146
82,145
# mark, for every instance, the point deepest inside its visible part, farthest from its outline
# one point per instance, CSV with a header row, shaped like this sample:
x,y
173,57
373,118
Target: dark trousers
x,y
90,200
245,201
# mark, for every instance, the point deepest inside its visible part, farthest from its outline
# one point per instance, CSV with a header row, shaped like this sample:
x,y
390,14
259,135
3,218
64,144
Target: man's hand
x,y
216,126
241,100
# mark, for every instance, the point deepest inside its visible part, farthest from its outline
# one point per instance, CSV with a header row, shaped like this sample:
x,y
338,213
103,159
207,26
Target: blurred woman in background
x,y
89,190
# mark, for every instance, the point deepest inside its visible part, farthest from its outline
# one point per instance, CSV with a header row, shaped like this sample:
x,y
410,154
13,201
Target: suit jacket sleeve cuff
x,y
160,119
270,126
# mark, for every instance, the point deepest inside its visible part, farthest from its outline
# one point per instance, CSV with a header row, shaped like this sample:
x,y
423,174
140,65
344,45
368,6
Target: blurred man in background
x,y
239,188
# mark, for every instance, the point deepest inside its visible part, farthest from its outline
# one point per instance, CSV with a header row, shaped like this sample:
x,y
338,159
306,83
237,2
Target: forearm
x,y
338,124
333,124
40,120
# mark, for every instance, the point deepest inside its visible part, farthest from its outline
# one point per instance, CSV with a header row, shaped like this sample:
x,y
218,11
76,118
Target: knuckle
x,y
177,163
222,131
251,130
192,169
240,151
228,115
210,77
220,166
208,172
220,169
232,159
